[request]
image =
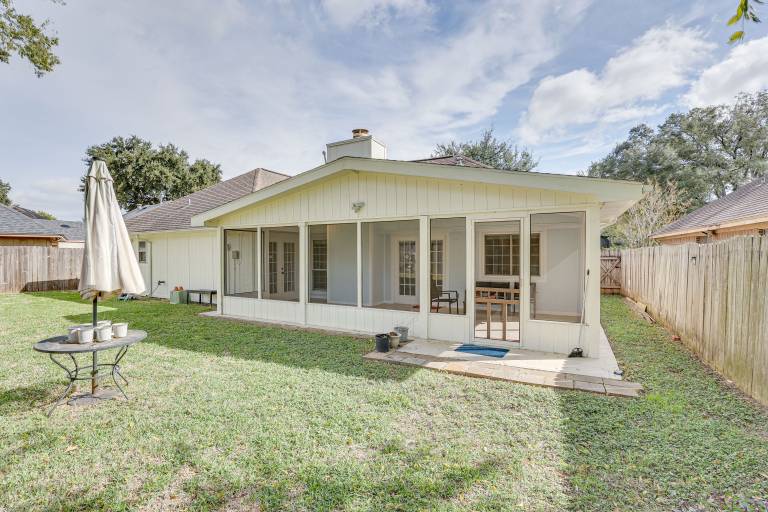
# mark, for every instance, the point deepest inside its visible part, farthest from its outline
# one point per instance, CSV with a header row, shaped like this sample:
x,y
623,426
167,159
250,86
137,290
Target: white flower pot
x,y
85,335
120,330
103,333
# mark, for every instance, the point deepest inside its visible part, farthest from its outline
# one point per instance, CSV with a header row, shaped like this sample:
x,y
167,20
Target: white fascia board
x,y
603,190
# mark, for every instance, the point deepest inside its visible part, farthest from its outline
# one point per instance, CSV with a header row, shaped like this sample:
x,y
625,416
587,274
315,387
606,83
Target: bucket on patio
x,y
402,331
382,343
394,339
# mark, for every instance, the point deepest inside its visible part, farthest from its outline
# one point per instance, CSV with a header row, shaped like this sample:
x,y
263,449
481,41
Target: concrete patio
x,y
596,375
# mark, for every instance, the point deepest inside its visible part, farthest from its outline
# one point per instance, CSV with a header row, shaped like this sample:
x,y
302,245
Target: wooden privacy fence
x,y
715,297
32,268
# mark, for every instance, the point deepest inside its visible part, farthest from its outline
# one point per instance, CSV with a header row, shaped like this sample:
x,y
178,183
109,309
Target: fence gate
x,y
610,271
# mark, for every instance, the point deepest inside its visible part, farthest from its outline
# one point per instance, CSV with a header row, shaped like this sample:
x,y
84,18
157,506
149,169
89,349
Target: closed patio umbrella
x,y
109,264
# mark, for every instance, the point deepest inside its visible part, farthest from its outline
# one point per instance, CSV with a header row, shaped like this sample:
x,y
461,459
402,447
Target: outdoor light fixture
x,y
358,206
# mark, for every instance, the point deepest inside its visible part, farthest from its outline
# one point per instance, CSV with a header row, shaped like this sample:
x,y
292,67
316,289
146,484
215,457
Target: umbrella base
x,y
86,399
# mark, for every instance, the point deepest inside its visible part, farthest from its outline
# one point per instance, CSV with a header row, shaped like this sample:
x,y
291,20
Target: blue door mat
x,y
481,350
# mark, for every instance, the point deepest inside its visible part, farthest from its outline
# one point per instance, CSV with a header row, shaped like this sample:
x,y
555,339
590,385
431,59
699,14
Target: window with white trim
x,y
319,265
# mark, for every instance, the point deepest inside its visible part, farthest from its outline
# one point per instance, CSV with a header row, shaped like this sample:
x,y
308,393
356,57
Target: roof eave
x,y
711,227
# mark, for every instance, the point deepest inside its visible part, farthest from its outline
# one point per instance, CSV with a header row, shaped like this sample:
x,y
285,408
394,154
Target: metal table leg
x,y
71,374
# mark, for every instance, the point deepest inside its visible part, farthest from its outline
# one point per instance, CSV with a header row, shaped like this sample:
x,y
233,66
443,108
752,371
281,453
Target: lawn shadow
x,y
26,398
307,349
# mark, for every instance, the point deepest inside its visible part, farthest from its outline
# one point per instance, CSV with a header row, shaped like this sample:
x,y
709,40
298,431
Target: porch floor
x,y
518,365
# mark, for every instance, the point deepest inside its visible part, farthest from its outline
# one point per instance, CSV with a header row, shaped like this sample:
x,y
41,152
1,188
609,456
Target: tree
x,y
5,189
745,11
706,152
19,34
659,207
490,151
45,215
146,175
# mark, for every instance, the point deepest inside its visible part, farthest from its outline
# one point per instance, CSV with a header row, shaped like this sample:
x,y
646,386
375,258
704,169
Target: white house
x,y
171,252
447,247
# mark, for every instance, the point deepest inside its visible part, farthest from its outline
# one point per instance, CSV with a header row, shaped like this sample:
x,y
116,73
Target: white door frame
x,y
280,239
524,220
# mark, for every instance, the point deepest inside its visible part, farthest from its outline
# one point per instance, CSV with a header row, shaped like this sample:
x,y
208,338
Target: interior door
x,y
282,266
406,263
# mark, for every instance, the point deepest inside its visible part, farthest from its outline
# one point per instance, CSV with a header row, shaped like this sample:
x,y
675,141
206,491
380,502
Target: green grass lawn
x,y
231,416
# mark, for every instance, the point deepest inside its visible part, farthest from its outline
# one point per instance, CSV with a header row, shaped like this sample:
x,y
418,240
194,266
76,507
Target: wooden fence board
x,y
31,268
715,296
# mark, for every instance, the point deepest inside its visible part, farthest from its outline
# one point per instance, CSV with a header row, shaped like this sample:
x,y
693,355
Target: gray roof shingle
x,y
747,202
177,214
15,223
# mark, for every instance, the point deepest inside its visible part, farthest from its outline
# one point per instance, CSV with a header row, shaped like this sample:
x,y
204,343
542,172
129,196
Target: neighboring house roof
x,y
177,214
615,196
746,205
70,230
14,223
459,160
27,212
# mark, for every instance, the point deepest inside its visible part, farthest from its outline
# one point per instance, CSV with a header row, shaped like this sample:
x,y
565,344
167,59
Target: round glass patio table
x,y
58,348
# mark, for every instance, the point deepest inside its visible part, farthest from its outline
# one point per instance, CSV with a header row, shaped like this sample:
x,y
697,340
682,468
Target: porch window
x,y
407,267
448,265
501,255
332,264
319,265
559,297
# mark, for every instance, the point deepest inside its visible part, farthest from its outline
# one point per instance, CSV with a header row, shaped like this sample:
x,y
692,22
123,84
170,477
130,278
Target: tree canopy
x,y
706,152
490,151
145,175
20,34
5,189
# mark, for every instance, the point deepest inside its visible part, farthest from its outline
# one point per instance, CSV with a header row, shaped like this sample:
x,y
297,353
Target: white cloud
x,y
264,85
53,195
347,13
745,69
660,60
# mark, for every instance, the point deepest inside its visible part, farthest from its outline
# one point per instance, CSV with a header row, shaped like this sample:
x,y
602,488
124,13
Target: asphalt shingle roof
x,y
748,201
15,223
177,214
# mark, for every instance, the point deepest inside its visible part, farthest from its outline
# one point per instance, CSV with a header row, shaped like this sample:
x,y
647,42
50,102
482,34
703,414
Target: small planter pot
x,y
120,330
394,340
72,338
382,343
403,332
85,335
103,333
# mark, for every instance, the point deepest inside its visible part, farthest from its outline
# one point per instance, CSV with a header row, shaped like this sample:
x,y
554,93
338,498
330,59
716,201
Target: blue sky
x,y
267,84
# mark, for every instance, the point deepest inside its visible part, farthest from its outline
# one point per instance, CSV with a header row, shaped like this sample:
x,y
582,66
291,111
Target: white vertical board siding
x,y
262,309
187,258
364,320
388,196
448,327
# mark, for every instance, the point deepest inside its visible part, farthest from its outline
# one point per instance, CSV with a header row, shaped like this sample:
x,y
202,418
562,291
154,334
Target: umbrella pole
x,y
94,369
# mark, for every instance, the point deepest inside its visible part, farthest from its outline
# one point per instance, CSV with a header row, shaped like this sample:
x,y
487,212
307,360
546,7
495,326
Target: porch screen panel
x,y
391,264
280,270
333,264
240,272
448,265
557,266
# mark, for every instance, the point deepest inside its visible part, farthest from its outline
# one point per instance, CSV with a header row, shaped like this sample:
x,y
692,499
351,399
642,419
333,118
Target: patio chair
x,y
439,296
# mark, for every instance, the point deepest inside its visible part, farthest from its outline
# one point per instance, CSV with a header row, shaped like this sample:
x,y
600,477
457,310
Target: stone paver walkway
x,y
489,370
